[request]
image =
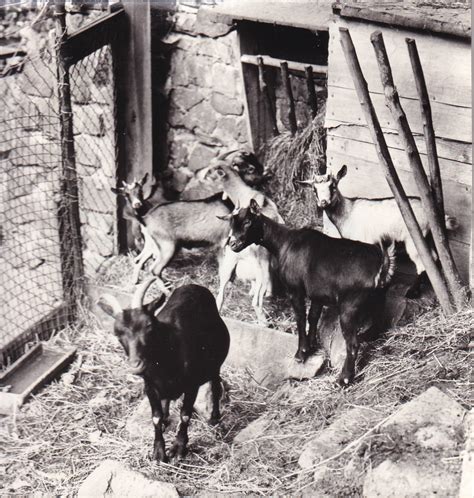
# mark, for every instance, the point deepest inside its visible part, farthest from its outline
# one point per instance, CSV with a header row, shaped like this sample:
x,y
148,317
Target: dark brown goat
x,y
348,274
176,351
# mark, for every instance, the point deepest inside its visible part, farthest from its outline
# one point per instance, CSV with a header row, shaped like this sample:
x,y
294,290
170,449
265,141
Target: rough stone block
x,y
200,156
113,479
252,431
98,241
409,479
226,105
332,439
95,193
231,130
207,27
187,98
219,49
35,148
81,86
92,262
433,408
38,78
92,119
225,79
467,474
191,69
306,370
203,117
100,221
95,151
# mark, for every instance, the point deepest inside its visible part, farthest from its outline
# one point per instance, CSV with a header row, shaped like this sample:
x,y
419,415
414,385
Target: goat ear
x,y
117,191
254,207
109,305
225,217
155,304
306,183
144,179
341,173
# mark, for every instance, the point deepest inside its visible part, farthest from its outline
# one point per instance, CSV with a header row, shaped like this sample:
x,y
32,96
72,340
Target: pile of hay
x,y
292,158
67,429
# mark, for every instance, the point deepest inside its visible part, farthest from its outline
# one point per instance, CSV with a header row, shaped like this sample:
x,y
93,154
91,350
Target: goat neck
x,y
340,209
237,190
273,235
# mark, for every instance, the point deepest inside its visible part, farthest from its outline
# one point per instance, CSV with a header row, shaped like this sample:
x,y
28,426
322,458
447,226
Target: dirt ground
x,y
63,433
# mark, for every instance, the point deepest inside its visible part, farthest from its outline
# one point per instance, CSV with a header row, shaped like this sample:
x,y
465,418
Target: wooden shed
x,y
443,39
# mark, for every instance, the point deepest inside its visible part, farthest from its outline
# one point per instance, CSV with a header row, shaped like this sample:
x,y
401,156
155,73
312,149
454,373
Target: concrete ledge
x,y
267,353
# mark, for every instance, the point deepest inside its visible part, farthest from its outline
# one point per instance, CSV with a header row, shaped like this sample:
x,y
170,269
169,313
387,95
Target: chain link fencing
x,y
33,235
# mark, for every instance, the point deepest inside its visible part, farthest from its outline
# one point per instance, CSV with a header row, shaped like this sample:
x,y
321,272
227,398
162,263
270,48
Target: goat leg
x,y
178,449
157,418
216,386
226,269
347,374
299,307
313,319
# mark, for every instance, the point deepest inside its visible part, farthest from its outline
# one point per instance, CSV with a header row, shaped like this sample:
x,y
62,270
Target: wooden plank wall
x,y
447,66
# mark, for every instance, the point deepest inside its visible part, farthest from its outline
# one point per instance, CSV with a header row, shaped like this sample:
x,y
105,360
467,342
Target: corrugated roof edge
x,y
403,20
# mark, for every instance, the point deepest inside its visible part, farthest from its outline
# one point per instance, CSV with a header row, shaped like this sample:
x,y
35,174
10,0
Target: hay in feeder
x,y
292,158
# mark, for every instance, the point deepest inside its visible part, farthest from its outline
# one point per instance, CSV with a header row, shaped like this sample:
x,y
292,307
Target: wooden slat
x,y
460,152
93,36
453,123
446,63
450,170
365,179
299,67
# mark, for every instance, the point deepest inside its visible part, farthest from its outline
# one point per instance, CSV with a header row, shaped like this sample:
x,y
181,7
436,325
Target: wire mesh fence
x,y
37,274
92,93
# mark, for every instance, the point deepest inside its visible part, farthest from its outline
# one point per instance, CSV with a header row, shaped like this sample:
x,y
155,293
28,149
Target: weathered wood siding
x,y
447,67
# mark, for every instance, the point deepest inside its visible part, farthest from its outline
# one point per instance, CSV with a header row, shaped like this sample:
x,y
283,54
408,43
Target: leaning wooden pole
x,y
404,132
312,100
390,172
285,77
266,92
72,267
428,129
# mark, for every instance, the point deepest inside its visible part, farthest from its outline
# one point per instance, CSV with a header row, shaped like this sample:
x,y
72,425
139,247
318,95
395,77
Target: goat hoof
x,y
160,458
301,356
345,381
176,452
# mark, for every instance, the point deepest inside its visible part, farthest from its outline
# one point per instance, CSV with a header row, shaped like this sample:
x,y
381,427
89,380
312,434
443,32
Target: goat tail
x,y
387,269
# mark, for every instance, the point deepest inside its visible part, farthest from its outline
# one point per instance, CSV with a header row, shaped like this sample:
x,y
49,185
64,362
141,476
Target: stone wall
x,y
205,91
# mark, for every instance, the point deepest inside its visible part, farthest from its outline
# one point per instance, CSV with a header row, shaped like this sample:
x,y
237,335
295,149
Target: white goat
x,y
253,263
371,220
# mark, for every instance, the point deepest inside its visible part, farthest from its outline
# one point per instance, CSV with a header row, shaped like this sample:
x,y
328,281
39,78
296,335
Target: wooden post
x,y
404,132
390,172
72,267
264,89
312,100
285,78
428,130
132,70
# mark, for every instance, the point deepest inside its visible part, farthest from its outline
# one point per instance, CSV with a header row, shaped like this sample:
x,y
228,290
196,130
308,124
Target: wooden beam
x,y
413,21
93,36
439,234
132,70
298,67
390,172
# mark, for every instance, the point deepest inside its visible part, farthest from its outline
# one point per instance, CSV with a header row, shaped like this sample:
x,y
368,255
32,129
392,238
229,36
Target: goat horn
x,y
224,155
124,184
306,182
137,299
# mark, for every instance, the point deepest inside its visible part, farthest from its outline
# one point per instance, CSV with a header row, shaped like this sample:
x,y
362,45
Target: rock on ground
x,y
409,479
112,478
466,489
434,419
254,430
335,437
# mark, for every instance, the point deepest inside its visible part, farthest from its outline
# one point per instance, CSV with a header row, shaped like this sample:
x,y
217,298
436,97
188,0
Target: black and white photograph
x,y
236,253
